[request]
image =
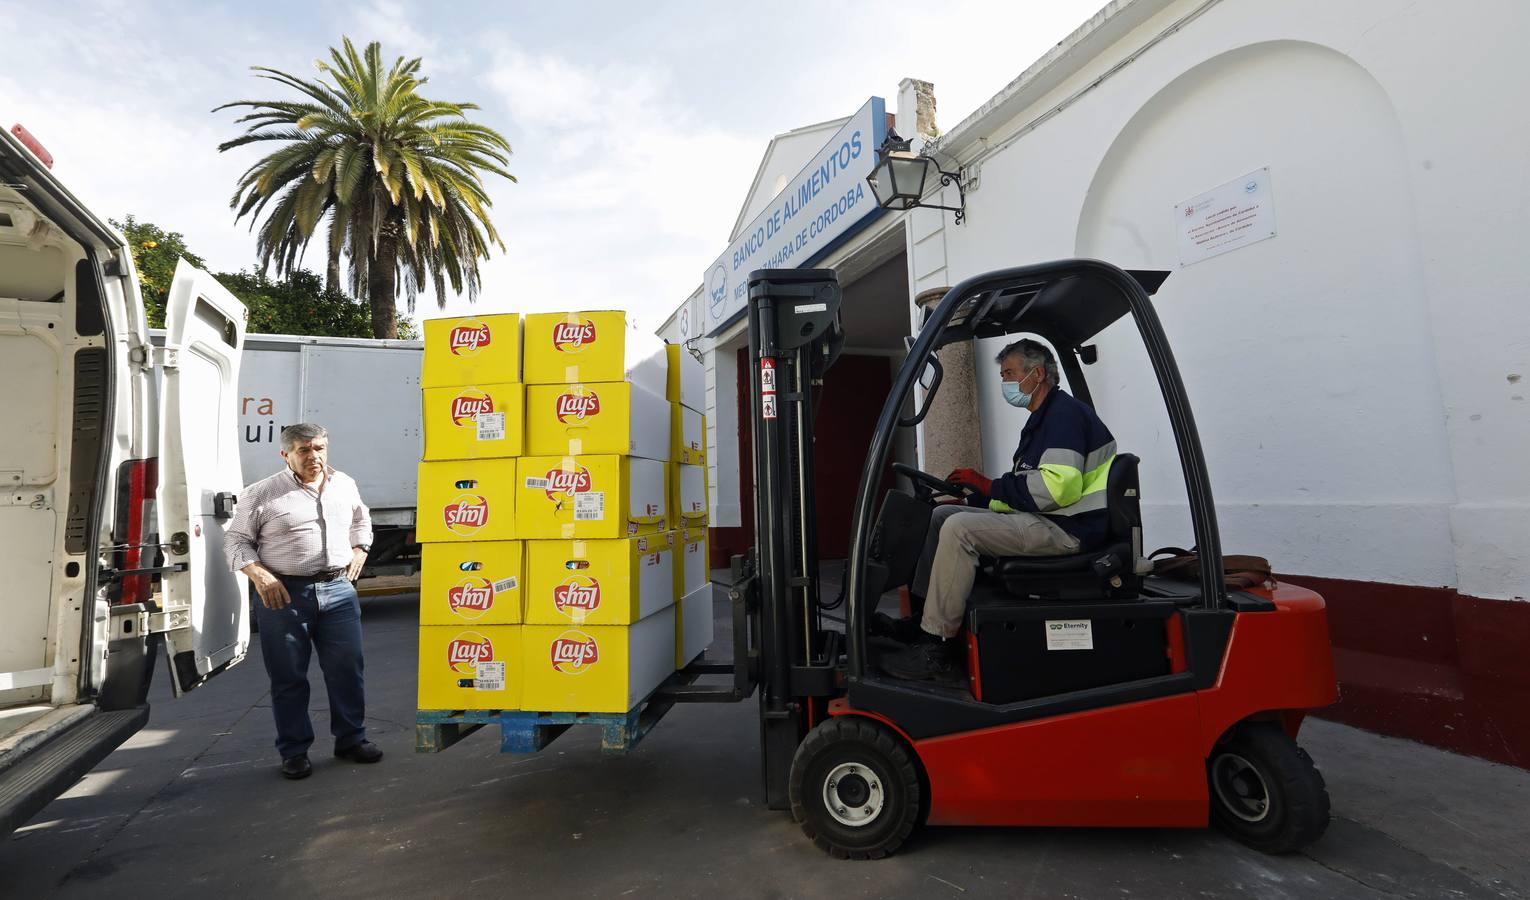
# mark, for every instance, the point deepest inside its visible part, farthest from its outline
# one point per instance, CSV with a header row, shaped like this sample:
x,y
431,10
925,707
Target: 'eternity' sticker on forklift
x,y
1070,634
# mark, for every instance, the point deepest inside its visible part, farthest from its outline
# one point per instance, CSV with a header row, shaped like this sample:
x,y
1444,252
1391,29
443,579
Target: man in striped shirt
x,y
302,537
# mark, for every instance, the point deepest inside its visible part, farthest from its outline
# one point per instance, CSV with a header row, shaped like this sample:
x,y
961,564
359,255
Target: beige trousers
x,y
958,535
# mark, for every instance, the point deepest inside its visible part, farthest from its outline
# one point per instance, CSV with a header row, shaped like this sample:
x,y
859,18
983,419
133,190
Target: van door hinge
x,y
167,357
133,620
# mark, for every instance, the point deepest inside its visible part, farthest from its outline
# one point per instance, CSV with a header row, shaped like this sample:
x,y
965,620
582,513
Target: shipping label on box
x,y
476,667
579,347
688,495
473,422
609,582
693,625
466,500
691,561
688,436
609,668
472,350
478,582
607,417
564,497
687,378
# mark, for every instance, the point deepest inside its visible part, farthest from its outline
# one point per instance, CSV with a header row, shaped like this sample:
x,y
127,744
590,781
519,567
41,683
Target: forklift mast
x,y
794,337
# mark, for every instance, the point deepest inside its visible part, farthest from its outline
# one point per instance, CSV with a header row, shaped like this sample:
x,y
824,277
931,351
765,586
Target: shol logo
x,y
577,405
469,404
467,650
466,514
562,481
574,652
578,592
571,337
470,337
472,598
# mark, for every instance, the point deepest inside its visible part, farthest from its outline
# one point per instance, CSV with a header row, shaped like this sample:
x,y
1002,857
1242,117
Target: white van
x,y
113,495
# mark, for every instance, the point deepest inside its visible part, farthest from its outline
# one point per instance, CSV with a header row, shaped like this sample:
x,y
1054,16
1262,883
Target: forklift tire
x,y
1265,791
855,788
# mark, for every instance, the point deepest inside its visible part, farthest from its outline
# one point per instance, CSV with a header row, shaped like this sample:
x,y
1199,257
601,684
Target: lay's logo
x,y
470,404
578,593
562,481
468,338
571,337
574,652
466,514
577,406
467,650
471,599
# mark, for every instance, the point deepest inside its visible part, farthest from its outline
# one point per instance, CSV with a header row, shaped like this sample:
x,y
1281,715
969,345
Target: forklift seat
x,y
1112,571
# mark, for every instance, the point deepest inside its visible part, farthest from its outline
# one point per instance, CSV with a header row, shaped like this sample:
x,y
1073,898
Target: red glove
x,y
971,478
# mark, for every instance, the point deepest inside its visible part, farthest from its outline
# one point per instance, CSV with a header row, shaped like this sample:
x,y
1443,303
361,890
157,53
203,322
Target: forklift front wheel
x,y
854,788
1265,791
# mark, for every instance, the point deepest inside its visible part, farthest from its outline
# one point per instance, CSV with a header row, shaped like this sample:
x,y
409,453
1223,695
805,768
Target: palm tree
x,y
399,177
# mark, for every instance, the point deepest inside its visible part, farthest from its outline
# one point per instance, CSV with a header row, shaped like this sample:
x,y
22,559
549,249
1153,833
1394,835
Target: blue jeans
x,y
325,617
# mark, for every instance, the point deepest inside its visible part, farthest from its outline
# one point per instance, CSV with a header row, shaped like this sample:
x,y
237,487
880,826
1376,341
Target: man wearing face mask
x,y
1052,503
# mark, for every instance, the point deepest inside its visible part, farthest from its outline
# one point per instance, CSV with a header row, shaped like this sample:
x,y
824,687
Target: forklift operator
x,y
1051,504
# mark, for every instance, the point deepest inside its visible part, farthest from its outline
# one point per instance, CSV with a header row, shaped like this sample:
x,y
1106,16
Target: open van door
x,y
200,477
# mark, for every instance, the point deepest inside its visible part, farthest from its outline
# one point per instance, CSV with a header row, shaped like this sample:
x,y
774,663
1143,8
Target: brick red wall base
x,y
1431,665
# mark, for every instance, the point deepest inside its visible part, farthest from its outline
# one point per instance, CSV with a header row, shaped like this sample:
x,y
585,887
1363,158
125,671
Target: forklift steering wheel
x,y
927,486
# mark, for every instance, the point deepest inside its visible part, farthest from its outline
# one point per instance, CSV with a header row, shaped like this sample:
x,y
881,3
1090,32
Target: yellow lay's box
x,y
601,668
470,667
601,417
693,625
687,495
466,500
687,379
473,422
570,348
688,435
472,350
591,497
478,582
691,561
615,582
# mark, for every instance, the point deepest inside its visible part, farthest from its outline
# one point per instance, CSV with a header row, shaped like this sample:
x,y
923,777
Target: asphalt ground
x,y
193,807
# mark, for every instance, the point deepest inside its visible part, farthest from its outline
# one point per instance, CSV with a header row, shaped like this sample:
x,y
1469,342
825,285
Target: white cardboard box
x,y
693,625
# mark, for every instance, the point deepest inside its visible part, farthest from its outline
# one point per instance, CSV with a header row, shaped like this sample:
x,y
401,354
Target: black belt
x,y
317,578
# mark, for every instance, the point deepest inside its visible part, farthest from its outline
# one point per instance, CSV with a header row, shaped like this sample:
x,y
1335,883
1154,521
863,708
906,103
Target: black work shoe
x,y
364,752
904,630
296,767
933,660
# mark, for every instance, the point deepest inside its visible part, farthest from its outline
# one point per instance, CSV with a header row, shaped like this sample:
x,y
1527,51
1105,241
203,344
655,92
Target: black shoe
x,y
364,752
905,630
296,767
932,660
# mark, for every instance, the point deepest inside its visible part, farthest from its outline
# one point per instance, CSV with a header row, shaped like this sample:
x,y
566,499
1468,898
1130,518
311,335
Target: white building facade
x,y
1358,367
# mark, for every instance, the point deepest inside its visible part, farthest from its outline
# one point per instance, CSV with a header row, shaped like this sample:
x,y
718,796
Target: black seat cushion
x,y
1023,566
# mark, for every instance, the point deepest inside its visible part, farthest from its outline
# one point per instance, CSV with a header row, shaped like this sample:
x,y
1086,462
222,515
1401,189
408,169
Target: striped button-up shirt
x,y
293,528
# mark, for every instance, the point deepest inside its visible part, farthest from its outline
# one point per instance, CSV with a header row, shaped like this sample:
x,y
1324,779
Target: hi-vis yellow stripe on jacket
x,y
1061,467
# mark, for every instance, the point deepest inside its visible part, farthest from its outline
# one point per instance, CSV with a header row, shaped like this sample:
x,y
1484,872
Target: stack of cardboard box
x,y
688,497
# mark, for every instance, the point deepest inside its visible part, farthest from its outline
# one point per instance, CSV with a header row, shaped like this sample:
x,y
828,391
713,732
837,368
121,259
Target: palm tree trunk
x,y
382,288
332,275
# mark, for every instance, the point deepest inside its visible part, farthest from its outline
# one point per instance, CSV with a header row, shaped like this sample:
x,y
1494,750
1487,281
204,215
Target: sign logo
x,y
577,406
579,592
574,652
472,598
469,404
571,337
561,481
467,650
466,514
469,337
717,290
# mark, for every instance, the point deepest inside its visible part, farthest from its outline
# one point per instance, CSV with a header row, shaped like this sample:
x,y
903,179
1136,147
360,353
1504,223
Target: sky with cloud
x,y
637,128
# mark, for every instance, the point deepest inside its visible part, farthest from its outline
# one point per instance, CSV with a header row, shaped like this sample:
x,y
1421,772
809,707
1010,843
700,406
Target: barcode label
x,y
537,483
507,584
489,677
491,426
590,506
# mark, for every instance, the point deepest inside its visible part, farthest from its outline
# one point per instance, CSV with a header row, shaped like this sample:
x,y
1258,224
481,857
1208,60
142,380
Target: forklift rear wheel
x,y
854,788
1265,791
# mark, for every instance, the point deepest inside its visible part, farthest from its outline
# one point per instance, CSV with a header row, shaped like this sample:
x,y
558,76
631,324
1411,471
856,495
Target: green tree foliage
x,y
155,253
398,176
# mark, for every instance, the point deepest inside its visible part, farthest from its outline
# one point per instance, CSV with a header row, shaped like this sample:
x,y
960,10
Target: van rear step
x,y
50,769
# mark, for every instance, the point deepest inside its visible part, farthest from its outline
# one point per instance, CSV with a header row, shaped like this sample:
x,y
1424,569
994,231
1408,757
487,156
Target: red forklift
x,y
1097,693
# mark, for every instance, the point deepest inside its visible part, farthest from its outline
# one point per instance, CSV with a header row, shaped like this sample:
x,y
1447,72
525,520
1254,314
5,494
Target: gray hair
x,y
292,435
1033,355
